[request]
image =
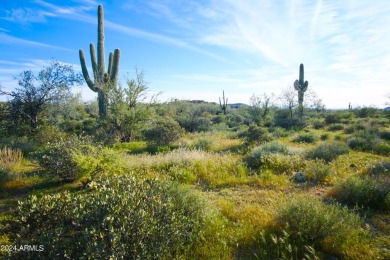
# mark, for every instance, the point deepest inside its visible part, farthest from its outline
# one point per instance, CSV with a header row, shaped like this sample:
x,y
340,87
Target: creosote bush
x,y
363,192
255,158
118,217
327,151
305,138
310,222
163,131
60,158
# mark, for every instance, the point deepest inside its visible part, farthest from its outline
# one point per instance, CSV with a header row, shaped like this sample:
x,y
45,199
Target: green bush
x,y
255,158
318,124
385,135
60,158
163,131
118,218
317,171
379,168
203,143
305,138
310,222
358,143
382,148
335,127
324,137
258,135
280,163
350,129
327,151
364,192
332,118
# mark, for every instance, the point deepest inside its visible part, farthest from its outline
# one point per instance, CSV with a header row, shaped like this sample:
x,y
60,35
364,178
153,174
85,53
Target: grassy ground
x,y
249,202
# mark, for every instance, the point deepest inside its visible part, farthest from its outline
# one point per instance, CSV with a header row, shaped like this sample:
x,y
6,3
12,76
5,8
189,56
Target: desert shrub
x,y
385,135
48,134
283,118
305,138
339,138
327,151
10,158
379,168
310,222
350,129
358,143
280,163
278,245
23,143
59,158
163,131
255,158
318,123
364,192
256,134
382,148
324,137
194,124
119,217
233,120
335,127
317,171
332,118
278,132
203,143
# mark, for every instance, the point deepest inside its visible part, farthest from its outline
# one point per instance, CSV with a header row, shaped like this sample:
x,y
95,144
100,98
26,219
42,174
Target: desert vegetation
x,y
125,177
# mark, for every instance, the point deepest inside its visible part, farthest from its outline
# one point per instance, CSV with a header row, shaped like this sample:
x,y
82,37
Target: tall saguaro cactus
x,y
224,104
301,86
102,80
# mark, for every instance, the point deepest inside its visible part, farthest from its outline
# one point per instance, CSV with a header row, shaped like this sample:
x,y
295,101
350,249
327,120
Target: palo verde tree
x,y
35,92
301,86
103,80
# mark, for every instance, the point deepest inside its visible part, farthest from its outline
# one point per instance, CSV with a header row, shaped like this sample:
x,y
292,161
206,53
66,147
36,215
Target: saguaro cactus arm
x,y
84,69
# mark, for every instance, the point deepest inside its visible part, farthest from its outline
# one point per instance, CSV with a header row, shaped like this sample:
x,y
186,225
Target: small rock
x,y
300,177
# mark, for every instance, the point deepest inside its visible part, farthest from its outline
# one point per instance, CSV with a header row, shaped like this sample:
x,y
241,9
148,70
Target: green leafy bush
x,y
317,123
332,118
324,137
317,171
358,143
60,158
327,151
119,217
258,135
385,135
282,163
382,148
305,138
364,192
310,222
163,131
203,143
335,127
255,158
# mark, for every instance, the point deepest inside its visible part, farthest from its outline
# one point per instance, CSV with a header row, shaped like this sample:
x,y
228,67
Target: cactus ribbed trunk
x,y
224,104
301,86
102,81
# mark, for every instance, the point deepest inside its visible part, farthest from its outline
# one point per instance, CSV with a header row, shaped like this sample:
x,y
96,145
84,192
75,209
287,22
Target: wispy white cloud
x,y
8,39
25,16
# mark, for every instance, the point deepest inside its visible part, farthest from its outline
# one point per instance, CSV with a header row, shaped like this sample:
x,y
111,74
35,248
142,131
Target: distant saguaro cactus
x,y
301,86
224,104
102,80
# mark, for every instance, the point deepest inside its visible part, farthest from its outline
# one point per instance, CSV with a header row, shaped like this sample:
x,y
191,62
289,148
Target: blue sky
x,y
195,49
